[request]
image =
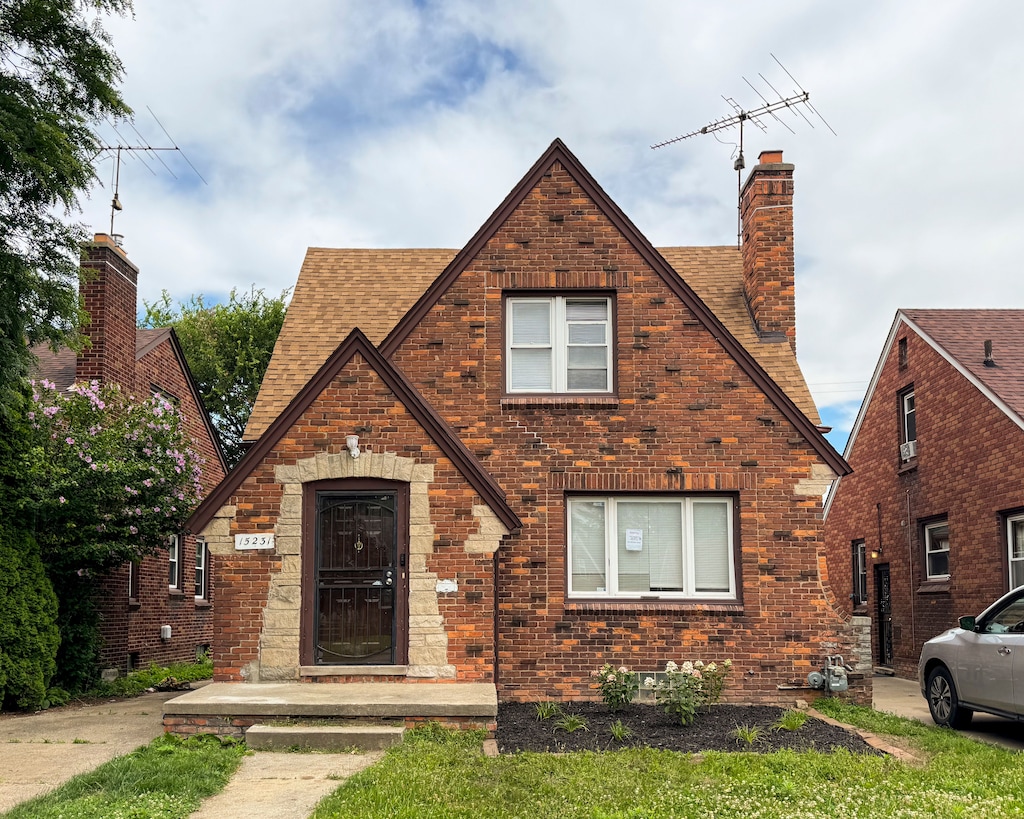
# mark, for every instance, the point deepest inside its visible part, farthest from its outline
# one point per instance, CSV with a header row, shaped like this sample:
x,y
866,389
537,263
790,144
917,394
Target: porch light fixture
x,y
352,442
876,553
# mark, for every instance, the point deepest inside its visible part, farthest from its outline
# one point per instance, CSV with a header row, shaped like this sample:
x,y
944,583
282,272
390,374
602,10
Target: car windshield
x,y
1010,618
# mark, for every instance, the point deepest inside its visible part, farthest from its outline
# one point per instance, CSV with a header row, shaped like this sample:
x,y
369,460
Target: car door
x,y
989,656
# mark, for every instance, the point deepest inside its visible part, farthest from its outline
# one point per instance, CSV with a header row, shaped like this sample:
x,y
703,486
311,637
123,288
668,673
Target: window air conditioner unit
x,y
908,450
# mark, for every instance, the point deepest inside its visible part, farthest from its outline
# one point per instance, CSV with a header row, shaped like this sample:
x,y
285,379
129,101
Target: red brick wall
x,y
129,627
966,449
686,418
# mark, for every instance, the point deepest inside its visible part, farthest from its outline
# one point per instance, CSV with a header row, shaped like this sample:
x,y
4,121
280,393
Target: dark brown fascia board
x,y
436,427
211,430
159,334
558,152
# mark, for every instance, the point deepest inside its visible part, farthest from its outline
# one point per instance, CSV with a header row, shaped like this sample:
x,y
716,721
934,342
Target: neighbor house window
x,y
860,573
652,547
174,562
559,344
936,546
202,559
134,572
1015,540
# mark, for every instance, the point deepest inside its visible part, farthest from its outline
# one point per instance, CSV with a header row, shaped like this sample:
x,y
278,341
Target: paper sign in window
x,y
634,540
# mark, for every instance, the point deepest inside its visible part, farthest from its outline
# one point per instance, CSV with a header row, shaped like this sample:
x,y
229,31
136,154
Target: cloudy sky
x,y
404,124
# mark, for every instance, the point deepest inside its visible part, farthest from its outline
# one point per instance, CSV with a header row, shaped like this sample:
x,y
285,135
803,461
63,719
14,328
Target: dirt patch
x,y
714,729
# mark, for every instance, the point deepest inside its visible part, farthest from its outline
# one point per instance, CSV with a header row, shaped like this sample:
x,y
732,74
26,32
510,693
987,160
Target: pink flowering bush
x,y
682,689
618,686
111,475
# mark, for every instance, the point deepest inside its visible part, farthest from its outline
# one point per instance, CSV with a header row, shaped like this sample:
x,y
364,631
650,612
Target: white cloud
x,y
406,123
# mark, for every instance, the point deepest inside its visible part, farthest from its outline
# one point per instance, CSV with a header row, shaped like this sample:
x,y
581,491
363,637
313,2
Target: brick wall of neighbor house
x,y
108,291
357,401
133,627
966,448
686,418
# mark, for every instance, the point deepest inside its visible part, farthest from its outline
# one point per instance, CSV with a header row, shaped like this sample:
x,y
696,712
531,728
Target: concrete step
x,y
323,737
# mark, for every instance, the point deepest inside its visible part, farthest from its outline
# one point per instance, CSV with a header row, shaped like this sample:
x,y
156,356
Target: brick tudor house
x,y
512,463
136,601
930,524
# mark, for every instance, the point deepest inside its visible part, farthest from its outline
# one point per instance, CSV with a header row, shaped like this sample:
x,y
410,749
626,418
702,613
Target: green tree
x,y
228,347
57,76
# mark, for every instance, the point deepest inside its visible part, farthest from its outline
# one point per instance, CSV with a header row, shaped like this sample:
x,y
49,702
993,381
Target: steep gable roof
x,y
334,285
959,337
356,343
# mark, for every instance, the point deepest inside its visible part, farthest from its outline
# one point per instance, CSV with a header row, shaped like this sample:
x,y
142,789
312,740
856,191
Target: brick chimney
x,y
108,289
766,216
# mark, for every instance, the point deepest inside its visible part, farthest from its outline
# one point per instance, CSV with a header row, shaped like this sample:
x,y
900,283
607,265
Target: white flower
x,y
712,666
671,666
649,682
623,669
687,667
610,678
698,664
727,663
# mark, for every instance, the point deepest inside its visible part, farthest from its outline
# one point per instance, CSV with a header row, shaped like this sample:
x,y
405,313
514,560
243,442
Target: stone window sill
x,y
353,670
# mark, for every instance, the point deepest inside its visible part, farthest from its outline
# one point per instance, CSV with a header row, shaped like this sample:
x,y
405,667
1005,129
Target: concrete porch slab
x,y
380,700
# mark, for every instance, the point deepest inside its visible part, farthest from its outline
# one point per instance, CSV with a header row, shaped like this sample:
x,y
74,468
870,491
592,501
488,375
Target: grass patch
x,y
136,682
166,779
444,774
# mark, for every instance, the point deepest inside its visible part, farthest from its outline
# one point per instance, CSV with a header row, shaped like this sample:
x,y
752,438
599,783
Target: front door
x,y
358,579
884,619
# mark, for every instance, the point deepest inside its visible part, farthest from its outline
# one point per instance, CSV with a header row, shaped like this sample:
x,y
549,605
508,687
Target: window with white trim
x,y
936,547
908,416
662,547
174,562
1015,540
860,573
558,344
202,559
134,580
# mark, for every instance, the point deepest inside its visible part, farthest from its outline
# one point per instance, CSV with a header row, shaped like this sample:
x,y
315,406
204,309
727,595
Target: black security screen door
x,y
356,578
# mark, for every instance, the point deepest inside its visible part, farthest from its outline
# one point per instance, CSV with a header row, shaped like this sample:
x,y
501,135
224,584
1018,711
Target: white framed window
x,y
174,562
936,547
908,412
662,547
202,559
558,344
1015,541
134,580
860,573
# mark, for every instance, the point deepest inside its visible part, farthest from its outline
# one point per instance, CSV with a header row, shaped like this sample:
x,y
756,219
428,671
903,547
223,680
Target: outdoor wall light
x,y
876,553
352,442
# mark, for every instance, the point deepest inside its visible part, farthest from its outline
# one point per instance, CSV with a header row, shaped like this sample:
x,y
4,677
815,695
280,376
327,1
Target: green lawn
x,y
439,774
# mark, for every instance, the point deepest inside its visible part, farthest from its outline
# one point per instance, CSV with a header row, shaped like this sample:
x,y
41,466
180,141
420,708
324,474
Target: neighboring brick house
x,y
930,525
554,448
163,590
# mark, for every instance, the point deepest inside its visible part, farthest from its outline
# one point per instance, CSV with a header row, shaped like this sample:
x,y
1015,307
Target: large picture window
x,y
660,546
558,344
936,545
1015,540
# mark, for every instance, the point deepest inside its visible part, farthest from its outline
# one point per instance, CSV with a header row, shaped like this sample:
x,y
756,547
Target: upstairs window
x,y
908,426
1015,540
174,562
661,547
860,573
936,546
558,344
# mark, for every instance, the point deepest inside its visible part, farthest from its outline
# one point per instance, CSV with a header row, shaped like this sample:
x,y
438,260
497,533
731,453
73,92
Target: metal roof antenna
x,y
123,145
798,100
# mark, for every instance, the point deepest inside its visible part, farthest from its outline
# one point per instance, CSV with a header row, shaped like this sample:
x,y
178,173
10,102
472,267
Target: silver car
x,y
978,666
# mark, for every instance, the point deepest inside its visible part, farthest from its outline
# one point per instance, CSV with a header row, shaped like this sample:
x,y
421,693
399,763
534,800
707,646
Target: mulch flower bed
x,y
713,729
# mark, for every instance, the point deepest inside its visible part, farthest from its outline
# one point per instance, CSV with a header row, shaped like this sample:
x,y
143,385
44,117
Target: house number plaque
x,y
257,540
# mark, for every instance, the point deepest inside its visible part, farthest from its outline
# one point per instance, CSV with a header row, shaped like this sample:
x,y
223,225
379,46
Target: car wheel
x,y
943,701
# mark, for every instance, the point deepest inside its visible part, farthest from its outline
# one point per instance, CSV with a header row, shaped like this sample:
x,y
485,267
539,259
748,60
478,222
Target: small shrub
x,y
620,732
685,688
748,734
547,710
570,723
791,721
618,686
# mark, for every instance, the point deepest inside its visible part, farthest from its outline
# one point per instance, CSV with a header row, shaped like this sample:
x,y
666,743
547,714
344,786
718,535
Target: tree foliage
x,y
110,476
57,76
228,347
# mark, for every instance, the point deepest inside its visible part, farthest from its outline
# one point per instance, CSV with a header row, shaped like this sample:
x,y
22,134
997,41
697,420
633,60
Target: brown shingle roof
x,y
59,367
963,333
339,289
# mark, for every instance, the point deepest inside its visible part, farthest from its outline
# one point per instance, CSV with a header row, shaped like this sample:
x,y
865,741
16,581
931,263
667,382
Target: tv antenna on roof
x,y
137,151
795,103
